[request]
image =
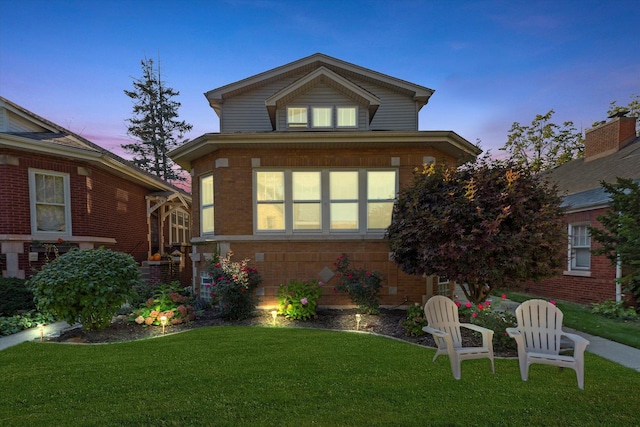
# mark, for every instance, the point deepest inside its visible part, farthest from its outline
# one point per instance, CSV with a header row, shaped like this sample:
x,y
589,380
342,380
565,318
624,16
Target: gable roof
x,y
43,136
335,70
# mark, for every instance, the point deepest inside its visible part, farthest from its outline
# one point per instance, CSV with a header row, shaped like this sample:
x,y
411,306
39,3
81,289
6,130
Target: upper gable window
x,y
346,117
297,117
50,203
322,117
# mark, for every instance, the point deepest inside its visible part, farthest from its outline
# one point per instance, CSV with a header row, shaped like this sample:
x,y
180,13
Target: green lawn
x,y
253,376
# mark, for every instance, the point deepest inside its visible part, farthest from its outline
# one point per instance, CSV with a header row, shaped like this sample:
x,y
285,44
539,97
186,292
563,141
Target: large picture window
x,y
50,203
206,204
579,247
324,201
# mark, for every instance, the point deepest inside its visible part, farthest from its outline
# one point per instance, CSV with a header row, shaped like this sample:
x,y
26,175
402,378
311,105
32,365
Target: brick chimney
x,y
610,137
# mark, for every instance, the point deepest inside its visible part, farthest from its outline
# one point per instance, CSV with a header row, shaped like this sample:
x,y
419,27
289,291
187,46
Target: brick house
x,y
306,166
612,150
58,186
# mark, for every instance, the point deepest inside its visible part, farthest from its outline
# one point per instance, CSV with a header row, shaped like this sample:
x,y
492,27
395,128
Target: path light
x,y
41,326
358,318
274,314
163,322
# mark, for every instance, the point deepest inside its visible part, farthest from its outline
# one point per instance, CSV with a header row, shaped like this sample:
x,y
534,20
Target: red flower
x,y
480,307
335,291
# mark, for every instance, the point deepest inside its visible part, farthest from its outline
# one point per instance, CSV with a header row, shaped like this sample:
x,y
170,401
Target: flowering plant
x,y
360,284
415,321
232,287
298,300
494,318
167,302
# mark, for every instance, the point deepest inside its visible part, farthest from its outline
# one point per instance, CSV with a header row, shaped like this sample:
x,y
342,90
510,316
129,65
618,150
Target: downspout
x,y
618,277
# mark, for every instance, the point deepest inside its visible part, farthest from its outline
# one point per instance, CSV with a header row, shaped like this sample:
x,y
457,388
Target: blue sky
x,y
491,63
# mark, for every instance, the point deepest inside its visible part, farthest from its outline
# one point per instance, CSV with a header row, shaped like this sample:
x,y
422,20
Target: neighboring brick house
x,y
612,150
58,186
307,165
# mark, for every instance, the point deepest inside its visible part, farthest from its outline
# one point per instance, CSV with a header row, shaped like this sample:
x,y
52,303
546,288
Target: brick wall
x,y
610,137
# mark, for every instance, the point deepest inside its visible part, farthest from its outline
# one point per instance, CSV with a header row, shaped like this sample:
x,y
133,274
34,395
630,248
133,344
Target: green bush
x,y
15,296
19,322
361,285
614,310
415,321
298,300
167,301
233,286
87,286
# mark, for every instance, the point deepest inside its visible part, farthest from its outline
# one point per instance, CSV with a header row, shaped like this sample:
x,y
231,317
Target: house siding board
x,y
397,110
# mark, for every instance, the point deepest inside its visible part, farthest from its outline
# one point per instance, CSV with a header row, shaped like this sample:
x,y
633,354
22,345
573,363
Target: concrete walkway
x,y
613,351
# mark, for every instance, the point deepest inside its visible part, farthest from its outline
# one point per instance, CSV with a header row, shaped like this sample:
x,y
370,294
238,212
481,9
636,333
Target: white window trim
x,y
325,230
212,205
297,125
185,226
67,202
332,112
355,125
571,267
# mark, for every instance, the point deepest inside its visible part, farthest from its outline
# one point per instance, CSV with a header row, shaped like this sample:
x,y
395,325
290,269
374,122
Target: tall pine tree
x,y
155,124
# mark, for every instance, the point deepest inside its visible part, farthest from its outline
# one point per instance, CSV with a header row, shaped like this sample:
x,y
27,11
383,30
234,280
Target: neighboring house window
x,y
180,229
206,204
579,247
322,117
346,117
327,201
49,194
443,286
297,117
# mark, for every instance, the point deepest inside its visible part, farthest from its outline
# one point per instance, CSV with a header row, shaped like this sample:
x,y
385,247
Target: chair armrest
x,y
580,343
513,332
487,334
435,332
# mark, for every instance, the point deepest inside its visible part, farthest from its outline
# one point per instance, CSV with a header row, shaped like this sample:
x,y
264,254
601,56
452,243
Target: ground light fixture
x,y
41,327
358,318
274,314
163,322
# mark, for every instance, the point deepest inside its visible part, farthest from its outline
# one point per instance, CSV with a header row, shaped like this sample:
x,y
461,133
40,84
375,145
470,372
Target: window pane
x,y
50,218
379,215
270,186
344,216
322,117
207,219
381,185
270,216
346,116
307,216
582,258
206,190
297,116
306,186
343,185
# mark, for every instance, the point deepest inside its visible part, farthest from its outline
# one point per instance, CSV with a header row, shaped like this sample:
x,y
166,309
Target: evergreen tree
x,y
155,124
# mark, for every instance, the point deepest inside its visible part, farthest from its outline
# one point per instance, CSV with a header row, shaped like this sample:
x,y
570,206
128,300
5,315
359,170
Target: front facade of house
x,y
60,189
612,150
306,167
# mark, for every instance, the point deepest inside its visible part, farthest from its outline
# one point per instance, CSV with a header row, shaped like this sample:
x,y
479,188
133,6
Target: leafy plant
x,y
490,317
15,296
415,321
19,322
87,286
298,300
360,284
614,310
168,304
233,287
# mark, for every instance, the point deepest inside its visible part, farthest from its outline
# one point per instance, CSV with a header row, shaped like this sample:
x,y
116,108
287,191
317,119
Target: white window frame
x,y
33,202
355,119
204,206
313,117
325,203
298,124
177,229
582,246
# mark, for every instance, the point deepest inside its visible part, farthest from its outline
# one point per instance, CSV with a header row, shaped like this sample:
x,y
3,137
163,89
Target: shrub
x,y
298,300
15,296
361,285
233,286
614,310
167,301
87,286
490,317
19,322
415,321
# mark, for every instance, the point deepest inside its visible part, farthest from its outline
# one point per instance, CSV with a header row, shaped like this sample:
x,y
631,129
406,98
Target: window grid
x,y
207,210
180,227
50,202
579,247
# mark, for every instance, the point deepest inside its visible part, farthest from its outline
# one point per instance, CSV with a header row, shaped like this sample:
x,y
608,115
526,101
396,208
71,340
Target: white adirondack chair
x,y
444,325
538,337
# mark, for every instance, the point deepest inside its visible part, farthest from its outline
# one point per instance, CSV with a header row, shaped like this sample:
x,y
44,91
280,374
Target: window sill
x,y
578,273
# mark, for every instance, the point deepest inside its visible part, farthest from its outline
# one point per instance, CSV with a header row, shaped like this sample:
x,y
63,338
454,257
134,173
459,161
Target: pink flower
x,y
488,303
320,283
552,302
304,301
458,304
335,291
504,296
475,315
480,307
468,305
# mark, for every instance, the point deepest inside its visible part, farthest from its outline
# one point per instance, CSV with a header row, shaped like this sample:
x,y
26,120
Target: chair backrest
x,y
540,322
442,314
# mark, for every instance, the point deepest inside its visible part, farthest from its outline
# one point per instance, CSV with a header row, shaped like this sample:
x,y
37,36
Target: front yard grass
x,y
263,376
579,317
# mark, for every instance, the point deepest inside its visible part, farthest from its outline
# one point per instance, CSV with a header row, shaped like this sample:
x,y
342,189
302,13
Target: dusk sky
x,y
491,63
